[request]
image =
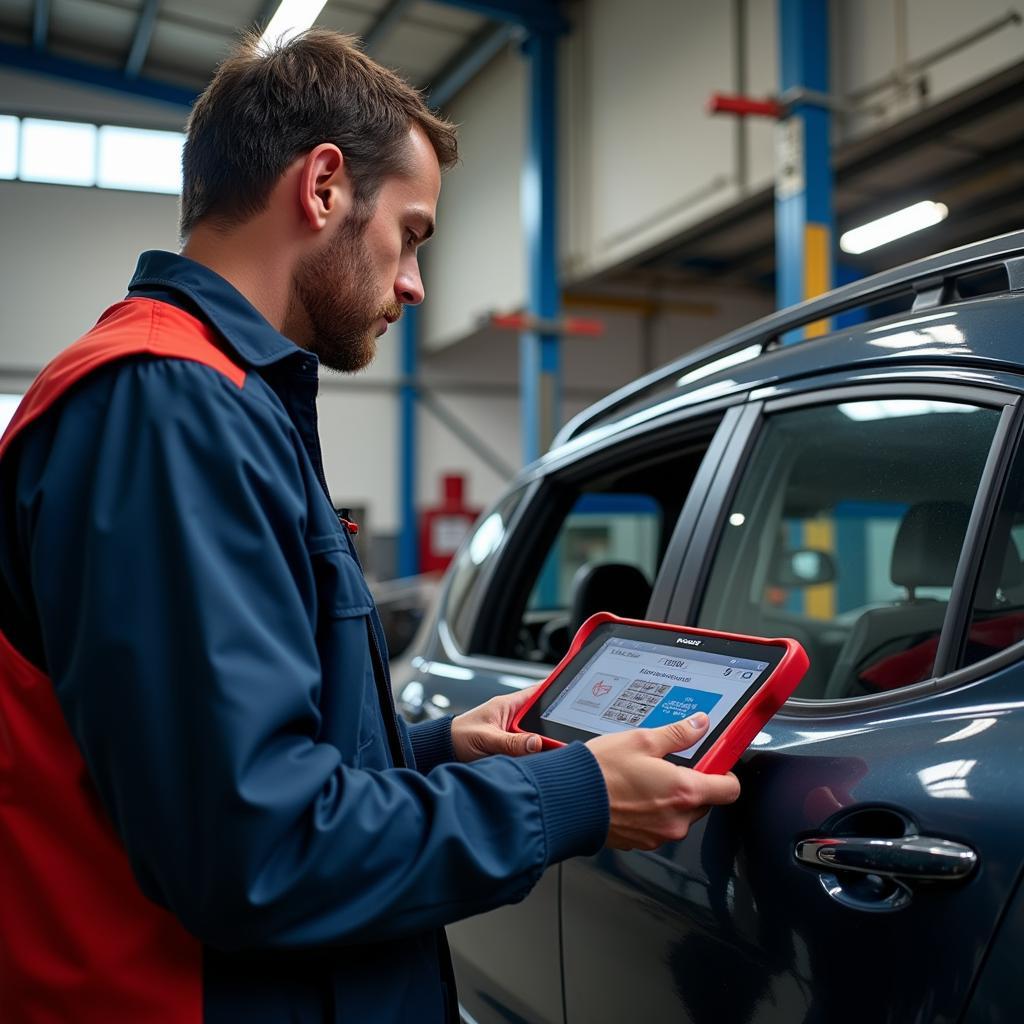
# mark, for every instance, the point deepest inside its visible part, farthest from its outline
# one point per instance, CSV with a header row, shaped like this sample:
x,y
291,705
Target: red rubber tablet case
x,y
746,722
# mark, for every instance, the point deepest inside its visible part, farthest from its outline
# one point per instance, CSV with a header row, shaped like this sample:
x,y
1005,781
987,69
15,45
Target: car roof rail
x,y
932,281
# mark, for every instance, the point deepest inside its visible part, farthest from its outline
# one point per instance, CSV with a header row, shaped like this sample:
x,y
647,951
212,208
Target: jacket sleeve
x,y
163,513
432,743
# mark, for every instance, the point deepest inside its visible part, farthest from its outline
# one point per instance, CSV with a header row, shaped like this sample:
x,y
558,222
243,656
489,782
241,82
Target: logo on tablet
x,y
600,688
687,641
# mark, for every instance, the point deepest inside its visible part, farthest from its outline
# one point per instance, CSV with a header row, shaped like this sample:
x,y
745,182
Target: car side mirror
x,y
803,567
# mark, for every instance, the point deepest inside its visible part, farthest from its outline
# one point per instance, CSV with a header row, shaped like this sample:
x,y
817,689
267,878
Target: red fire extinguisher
x,y
443,528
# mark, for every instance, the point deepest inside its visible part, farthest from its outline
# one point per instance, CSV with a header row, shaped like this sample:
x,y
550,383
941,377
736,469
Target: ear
x,y
325,190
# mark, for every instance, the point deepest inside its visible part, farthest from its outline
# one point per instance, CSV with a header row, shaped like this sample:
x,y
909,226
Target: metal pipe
x,y
470,62
140,41
902,49
466,435
17,377
385,24
40,25
739,14
27,59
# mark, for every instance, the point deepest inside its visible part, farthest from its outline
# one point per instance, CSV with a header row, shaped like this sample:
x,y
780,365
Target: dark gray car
x,y
862,492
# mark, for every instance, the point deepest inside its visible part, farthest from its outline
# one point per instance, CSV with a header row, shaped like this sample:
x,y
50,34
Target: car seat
x,y
597,587
998,619
608,587
925,554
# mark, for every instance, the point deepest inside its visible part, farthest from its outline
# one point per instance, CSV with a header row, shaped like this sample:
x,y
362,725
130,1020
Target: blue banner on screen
x,y
679,703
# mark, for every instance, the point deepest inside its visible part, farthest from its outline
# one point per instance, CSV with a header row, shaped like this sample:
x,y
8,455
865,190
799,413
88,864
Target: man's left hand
x,y
485,729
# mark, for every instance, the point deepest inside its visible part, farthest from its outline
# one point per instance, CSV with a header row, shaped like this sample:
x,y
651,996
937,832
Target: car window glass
x,y
997,611
592,541
476,554
845,533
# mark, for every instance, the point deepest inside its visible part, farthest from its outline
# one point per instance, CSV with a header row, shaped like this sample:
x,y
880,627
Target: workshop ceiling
x,y
966,152
187,38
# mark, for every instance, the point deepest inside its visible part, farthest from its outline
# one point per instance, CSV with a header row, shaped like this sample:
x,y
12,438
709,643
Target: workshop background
x,y
636,179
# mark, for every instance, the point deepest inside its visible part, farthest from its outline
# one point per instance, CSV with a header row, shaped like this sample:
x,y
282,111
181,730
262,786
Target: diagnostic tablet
x,y
626,674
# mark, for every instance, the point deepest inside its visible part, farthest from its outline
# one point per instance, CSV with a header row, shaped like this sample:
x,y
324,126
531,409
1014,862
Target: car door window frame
x,y
694,573
538,519
470,605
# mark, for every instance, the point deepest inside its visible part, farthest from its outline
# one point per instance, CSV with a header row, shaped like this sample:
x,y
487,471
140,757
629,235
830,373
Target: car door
x,y
864,868
596,528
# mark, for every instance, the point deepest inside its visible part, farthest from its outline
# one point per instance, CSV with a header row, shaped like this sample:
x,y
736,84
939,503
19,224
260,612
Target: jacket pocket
x,y
351,712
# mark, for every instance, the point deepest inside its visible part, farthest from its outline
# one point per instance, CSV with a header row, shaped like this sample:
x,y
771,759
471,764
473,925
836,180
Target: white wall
x,y
657,162
479,227
66,254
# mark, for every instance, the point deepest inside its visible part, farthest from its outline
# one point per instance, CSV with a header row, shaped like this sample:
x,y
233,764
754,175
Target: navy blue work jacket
x,y
171,562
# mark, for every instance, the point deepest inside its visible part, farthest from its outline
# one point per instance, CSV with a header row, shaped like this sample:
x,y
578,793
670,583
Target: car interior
x,y
892,498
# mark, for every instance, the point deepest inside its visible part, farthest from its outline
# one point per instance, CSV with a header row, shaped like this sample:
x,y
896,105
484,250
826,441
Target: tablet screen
x,y
626,681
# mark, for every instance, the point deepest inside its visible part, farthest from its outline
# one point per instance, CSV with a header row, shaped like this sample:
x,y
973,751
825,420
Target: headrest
x,y
928,544
608,587
999,574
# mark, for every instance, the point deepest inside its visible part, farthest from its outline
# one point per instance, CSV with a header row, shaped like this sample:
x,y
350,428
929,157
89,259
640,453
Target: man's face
x,y
352,289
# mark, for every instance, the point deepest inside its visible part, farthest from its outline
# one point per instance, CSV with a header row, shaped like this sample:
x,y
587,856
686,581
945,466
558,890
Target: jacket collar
x,y
243,327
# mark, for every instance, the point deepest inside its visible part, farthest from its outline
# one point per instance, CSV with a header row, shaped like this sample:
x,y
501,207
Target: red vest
x,y
78,940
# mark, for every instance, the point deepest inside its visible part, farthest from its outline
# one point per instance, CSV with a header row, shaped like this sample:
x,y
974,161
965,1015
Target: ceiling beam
x,y
141,40
25,58
470,60
533,15
40,25
267,10
375,37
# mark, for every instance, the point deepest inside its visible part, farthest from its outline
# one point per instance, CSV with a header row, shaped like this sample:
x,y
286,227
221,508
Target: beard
x,y
335,297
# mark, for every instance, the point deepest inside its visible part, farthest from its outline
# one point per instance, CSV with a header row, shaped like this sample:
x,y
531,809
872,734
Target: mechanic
x,y
210,810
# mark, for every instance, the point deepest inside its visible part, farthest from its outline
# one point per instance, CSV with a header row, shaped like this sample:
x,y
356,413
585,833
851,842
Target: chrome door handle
x,y
907,859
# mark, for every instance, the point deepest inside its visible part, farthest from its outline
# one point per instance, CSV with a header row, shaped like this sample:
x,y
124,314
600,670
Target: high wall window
x,y
8,403
103,156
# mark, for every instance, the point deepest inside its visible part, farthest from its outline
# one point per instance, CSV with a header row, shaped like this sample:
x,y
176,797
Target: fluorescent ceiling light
x,y
291,18
895,225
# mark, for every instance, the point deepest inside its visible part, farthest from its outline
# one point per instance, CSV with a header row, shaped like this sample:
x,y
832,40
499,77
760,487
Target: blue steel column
x,y
408,539
803,204
539,354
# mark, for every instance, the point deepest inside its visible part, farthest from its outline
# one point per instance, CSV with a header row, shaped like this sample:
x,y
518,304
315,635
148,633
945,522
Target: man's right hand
x,y
653,801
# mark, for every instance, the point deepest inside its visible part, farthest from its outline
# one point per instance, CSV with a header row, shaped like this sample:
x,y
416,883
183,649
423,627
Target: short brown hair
x,y
268,105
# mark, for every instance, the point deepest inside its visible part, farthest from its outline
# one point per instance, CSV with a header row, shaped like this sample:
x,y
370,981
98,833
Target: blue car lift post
x,y
539,349
804,231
